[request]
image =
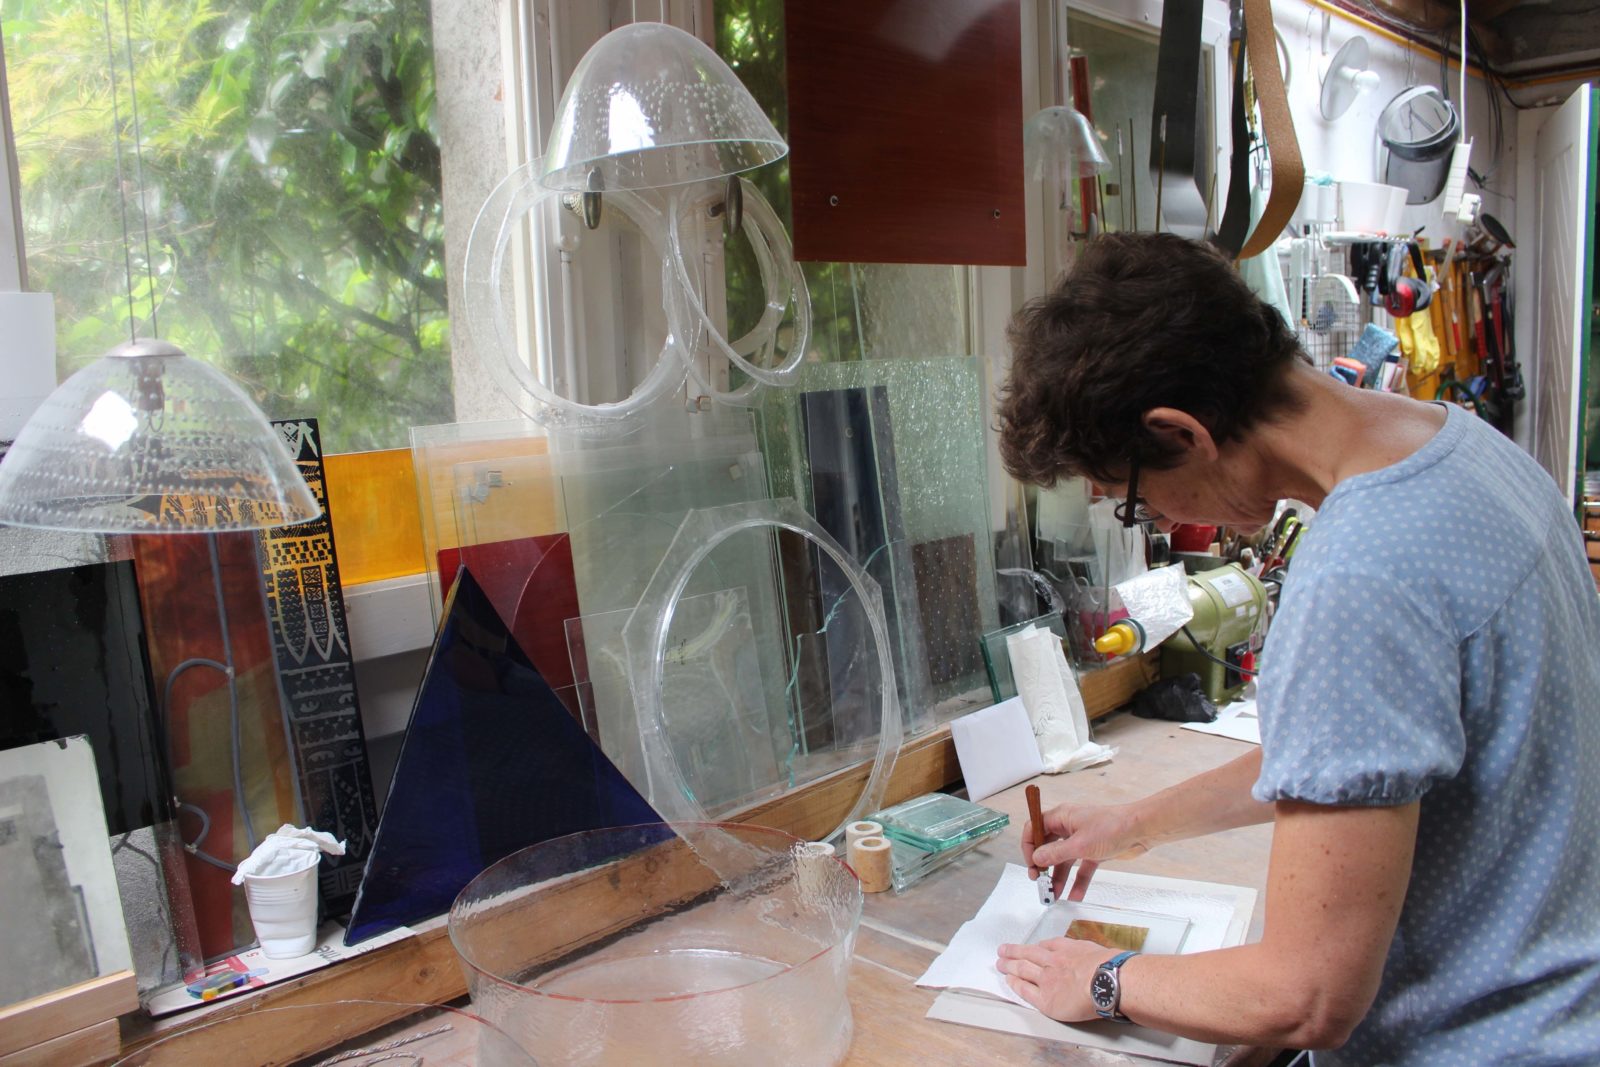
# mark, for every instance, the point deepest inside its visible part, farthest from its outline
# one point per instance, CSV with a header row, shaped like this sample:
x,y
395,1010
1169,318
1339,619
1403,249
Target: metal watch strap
x,y
1113,967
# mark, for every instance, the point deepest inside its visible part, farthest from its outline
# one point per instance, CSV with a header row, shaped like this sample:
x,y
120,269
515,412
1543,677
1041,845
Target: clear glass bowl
x,y
651,106
693,944
354,1032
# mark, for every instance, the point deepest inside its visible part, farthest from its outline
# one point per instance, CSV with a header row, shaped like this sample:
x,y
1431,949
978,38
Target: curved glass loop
x,y
651,106
760,343
784,283
645,635
490,320
149,440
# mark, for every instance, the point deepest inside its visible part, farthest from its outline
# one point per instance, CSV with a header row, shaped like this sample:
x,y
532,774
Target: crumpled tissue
x,y
1055,707
287,850
1159,599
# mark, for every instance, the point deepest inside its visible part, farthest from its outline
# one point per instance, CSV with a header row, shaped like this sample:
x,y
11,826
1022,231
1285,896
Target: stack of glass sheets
x,y
937,822
912,864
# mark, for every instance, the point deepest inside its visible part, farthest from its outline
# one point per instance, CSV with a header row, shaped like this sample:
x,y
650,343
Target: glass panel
x,y
73,662
211,651
836,705
283,209
859,311
311,640
997,658
372,500
491,763
443,491
931,486
1121,62
64,924
715,699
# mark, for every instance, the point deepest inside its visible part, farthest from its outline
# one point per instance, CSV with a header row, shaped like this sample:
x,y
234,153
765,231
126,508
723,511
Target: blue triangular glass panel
x,y
491,762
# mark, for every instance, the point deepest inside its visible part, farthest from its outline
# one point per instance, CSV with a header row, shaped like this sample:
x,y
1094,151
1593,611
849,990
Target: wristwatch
x,y
1105,988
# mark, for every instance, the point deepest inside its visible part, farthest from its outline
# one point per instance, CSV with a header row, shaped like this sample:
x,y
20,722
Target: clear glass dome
x,y
147,440
651,106
1058,142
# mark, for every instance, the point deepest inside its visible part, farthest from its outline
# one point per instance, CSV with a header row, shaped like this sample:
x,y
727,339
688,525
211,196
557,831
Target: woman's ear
x,y
1181,433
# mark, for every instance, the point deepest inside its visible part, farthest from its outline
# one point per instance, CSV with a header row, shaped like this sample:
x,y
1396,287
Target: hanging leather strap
x,y
1288,169
1175,152
1235,225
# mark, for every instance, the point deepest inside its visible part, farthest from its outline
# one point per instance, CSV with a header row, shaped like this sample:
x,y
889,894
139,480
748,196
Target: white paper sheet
x,y
1237,721
1219,916
996,748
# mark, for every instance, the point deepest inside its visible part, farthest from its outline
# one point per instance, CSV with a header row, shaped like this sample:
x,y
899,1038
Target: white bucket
x,y
283,909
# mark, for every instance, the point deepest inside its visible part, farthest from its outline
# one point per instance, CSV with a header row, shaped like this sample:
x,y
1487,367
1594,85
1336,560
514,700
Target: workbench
x,y
901,934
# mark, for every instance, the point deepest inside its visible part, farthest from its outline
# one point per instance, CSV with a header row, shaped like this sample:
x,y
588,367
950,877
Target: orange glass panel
x,y
372,500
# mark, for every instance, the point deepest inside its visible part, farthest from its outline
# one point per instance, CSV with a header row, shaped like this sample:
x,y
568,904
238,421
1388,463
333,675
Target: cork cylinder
x,y
872,859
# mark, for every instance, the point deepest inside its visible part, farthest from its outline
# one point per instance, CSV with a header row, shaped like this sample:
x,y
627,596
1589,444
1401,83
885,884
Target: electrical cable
x,y
122,201
138,164
1201,649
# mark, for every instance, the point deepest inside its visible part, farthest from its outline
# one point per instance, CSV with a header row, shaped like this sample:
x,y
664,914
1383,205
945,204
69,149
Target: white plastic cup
x,y
283,909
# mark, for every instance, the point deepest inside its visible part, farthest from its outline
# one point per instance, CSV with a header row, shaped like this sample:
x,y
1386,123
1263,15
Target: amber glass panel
x,y
372,497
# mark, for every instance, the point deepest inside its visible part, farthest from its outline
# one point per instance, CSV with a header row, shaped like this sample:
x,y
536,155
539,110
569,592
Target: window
x,y
275,200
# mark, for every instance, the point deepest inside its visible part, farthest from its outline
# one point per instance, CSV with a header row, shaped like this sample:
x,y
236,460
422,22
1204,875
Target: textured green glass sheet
x,y
937,821
997,659
936,414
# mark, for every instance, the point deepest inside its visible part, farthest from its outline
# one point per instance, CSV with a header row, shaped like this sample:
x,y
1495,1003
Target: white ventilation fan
x,y
1346,78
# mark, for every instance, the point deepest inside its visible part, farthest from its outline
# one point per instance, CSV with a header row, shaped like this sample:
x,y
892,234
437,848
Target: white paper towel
x,y
1055,707
1159,599
287,850
1013,908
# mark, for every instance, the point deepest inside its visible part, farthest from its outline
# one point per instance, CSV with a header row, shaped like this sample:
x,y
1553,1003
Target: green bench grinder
x,y
1229,605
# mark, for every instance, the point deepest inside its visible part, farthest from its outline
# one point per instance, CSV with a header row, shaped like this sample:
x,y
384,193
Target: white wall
x,y
1349,147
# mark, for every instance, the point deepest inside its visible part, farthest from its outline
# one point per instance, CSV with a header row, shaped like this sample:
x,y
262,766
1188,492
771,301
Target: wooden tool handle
x,y
1035,815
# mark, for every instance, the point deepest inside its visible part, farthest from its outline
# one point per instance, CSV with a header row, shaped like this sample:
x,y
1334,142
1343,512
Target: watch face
x,y
1103,990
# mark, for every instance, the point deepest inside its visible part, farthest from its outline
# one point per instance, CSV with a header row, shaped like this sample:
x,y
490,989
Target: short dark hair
x,y
1140,321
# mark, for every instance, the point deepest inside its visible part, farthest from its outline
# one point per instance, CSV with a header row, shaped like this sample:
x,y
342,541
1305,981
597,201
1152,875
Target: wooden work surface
x,y
901,934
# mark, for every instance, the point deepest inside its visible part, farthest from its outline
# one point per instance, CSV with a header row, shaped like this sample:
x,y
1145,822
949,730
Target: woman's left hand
x,y
1054,975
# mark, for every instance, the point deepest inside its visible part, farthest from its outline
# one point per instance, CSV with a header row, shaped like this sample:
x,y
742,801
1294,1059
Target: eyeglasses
x,y
1133,509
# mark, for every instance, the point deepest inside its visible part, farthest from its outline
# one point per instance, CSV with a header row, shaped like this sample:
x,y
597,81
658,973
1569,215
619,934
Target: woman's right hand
x,y
1083,834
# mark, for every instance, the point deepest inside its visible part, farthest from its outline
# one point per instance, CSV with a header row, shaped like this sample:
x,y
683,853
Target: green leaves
x,y
291,170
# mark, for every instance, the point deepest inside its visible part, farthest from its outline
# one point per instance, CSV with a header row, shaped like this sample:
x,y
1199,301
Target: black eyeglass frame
x,y
1133,509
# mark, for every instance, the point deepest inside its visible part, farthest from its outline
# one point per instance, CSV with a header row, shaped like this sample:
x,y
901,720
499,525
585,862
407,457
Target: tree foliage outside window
x,y
750,38
290,180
